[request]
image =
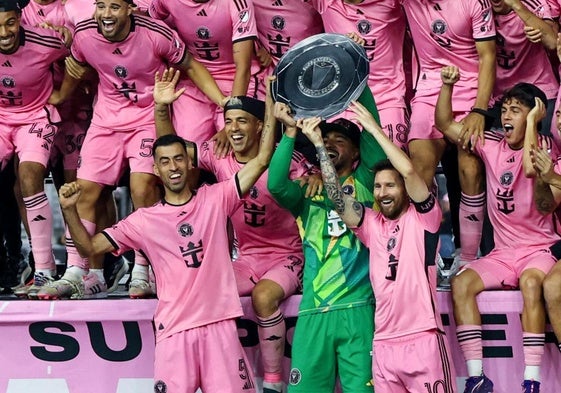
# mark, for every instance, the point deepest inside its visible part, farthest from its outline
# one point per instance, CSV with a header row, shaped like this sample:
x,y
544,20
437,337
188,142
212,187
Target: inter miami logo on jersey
x,y
121,72
203,33
506,179
8,82
185,230
160,387
295,376
278,22
253,192
364,26
391,244
439,27
193,254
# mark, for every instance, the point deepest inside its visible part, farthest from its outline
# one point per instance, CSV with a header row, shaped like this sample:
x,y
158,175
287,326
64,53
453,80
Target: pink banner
x,y
107,346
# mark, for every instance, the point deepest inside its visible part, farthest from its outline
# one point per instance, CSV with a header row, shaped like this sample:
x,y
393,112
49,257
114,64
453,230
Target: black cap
x,y
246,104
344,127
12,5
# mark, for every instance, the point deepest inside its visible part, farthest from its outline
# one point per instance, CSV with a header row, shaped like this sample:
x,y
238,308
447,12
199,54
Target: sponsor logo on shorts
x,y
160,387
295,376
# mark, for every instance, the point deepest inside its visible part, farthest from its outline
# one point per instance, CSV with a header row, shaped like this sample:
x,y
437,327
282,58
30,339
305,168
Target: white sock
x,y
475,367
532,373
139,272
74,273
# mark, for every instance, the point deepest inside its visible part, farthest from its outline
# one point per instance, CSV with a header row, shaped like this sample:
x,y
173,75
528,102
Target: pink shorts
x,y
31,142
422,121
106,153
68,143
395,123
209,357
501,269
416,363
285,270
196,119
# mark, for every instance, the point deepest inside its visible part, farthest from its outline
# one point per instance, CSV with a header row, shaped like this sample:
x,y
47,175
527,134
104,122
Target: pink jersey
x,y
126,69
187,246
555,7
402,268
444,33
283,23
77,11
262,226
210,29
510,197
518,59
26,77
382,24
34,13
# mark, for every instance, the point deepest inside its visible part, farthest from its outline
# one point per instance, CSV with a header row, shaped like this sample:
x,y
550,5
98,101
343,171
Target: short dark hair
x,y
383,165
168,140
525,93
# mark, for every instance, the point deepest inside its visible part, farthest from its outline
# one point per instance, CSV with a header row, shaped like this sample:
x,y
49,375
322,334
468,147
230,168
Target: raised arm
x,y
86,244
164,95
414,183
242,53
547,190
536,114
203,80
537,30
248,175
349,209
443,114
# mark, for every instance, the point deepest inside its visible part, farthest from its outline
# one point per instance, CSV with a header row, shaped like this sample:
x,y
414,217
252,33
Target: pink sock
x,y
40,221
469,338
534,347
272,331
472,212
74,258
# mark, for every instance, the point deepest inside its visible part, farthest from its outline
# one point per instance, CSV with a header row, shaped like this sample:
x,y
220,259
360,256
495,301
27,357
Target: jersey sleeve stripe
x,y
240,5
155,27
39,37
85,25
43,43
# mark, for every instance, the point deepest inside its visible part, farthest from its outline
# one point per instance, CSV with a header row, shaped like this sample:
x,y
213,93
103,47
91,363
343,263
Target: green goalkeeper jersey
x,y
335,261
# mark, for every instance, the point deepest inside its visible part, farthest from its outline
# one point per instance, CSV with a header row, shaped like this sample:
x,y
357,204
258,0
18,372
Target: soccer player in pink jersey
x,y
516,260
281,24
27,122
197,344
410,350
462,33
525,32
123,118
544,166
269,262
381,24
221,35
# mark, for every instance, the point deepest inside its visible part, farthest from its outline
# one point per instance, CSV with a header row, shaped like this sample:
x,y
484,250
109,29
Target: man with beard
x,y
411,351
337,303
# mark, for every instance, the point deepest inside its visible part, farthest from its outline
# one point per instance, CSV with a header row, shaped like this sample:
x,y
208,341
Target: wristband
x,y
480,111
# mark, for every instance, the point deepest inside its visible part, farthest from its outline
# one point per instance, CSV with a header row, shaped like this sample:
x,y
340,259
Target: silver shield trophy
x,y
321,75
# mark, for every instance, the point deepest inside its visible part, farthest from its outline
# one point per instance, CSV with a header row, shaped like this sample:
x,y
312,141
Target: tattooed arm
x,y
547,189
350,211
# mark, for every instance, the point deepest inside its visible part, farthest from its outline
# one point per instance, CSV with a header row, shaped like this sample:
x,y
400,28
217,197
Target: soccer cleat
x,y
118,270
91,288
31,289
24,273
480,384
140,289
61,289
530,386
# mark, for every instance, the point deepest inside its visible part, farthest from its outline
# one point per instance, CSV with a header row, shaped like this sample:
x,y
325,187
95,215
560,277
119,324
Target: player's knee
x,y
462,288
531,287
552,289
264,300
31,178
